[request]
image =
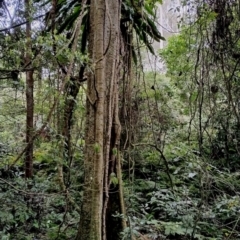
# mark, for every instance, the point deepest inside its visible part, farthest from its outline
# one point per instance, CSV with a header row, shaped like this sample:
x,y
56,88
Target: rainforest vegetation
x,y
97,145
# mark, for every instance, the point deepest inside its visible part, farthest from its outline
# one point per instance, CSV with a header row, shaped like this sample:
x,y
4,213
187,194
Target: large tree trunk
x,y
91,216
29,96
102,126
112,226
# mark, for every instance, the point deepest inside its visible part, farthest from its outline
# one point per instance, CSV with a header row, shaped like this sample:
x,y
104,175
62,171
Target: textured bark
x,y
102,126
91,216
111,225
29,98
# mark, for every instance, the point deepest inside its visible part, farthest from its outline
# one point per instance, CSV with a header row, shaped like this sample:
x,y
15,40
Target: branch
x,y
162,156
20,191
20,24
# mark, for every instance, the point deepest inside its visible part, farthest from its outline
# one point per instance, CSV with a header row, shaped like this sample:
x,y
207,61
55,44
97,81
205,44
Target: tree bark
x,y
112,226
91,216
102,126
29,96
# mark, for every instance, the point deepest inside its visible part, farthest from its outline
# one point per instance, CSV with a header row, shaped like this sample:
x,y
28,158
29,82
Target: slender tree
x,y
29,95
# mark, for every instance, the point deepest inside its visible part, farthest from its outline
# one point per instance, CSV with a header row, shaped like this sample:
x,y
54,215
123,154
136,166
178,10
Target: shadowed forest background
x,y
98,144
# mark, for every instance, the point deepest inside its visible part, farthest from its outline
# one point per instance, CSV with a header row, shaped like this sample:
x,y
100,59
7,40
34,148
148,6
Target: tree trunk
x,y
29,96
102,127
91,216
71,91
112,226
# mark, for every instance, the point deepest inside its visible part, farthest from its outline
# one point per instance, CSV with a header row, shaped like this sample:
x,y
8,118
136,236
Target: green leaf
x,y
113,179
114,151
96,148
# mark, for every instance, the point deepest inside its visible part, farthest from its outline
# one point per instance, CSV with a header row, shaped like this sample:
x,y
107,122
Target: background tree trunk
x,y
29,96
